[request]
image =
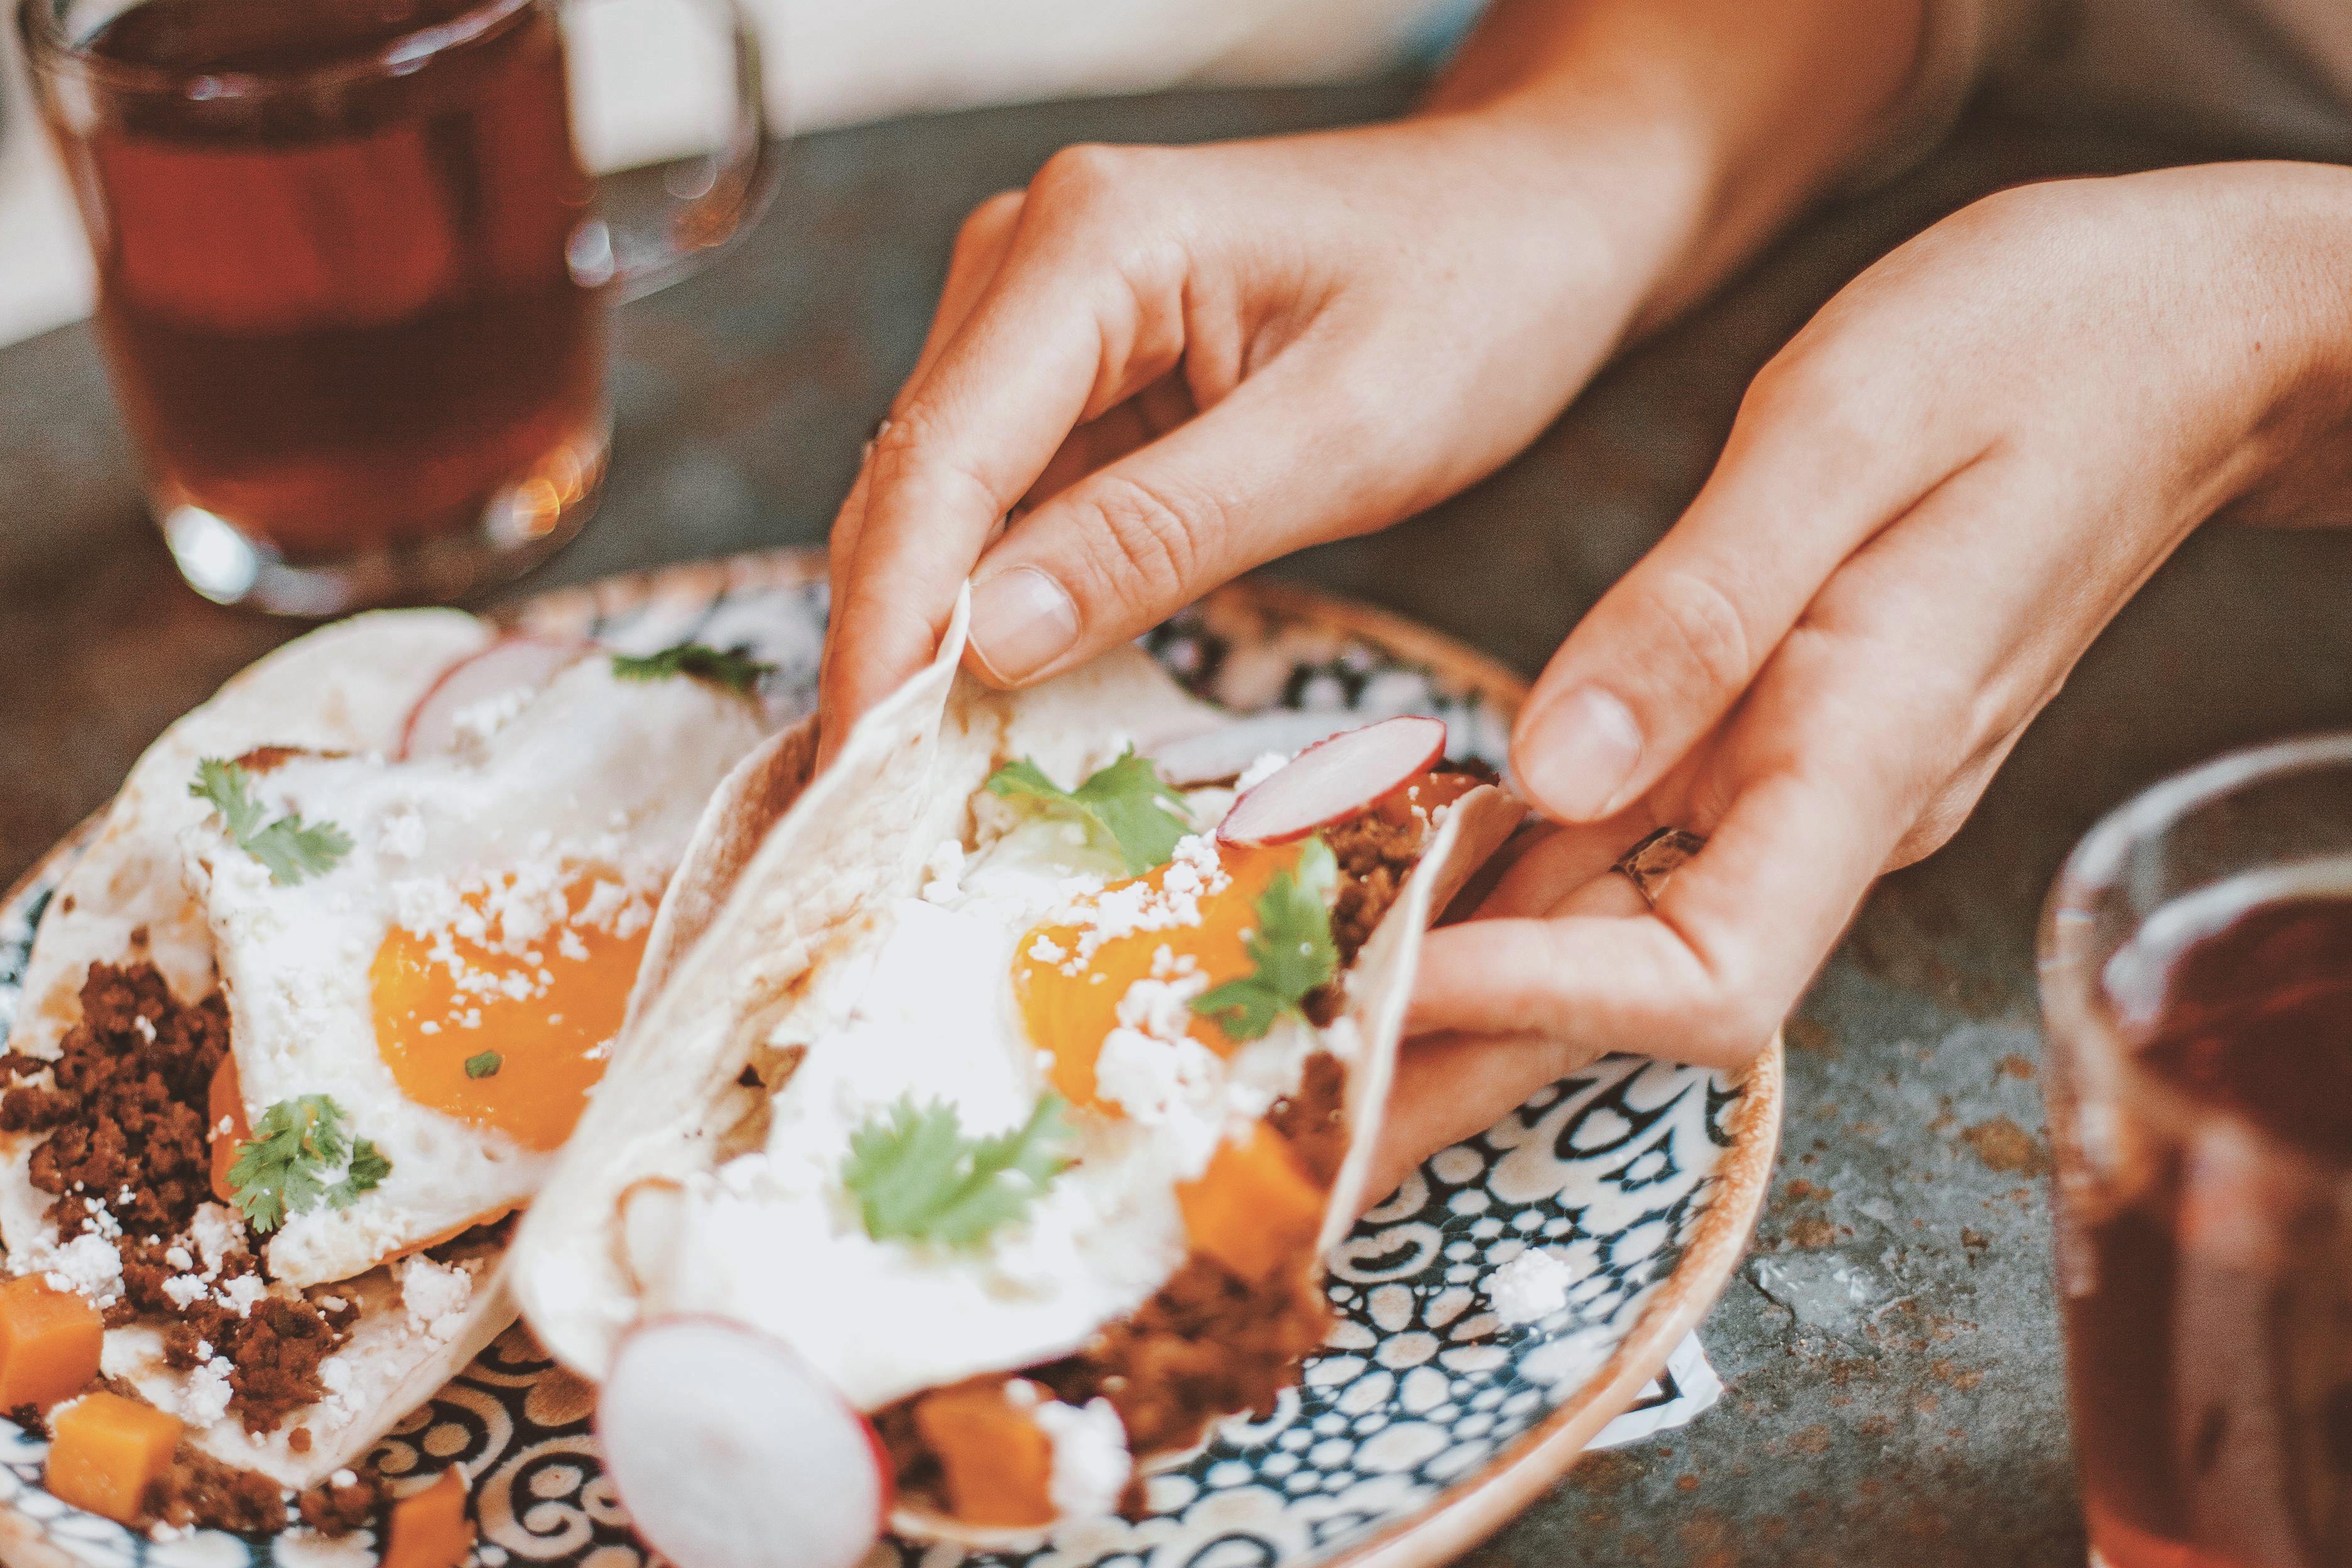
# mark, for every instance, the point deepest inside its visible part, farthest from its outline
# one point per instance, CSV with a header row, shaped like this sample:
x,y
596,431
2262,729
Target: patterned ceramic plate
x,y
1427,1420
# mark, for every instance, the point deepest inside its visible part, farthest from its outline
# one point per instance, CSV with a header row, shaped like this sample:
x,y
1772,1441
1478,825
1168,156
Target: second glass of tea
x,y
2196,984
353,281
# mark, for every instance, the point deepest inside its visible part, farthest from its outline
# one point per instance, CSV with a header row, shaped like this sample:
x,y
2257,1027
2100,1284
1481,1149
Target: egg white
x,y
593,771
926,1008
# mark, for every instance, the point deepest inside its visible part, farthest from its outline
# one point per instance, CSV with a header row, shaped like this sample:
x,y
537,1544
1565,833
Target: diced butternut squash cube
x,y
106,1450
49,1340
225,1107
429,1527
997,1462
1253,1209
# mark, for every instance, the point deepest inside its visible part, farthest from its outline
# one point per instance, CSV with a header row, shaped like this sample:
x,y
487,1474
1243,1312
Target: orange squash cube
x,y
998,1462
225,1104
49,1340
429,1527
106,1451
1253,1210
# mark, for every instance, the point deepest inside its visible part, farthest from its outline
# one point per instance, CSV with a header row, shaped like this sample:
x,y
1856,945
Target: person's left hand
x,y
1932,499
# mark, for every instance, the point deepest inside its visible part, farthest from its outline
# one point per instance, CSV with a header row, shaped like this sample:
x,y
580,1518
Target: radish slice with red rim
x,y
512,665
1333,780
729,1450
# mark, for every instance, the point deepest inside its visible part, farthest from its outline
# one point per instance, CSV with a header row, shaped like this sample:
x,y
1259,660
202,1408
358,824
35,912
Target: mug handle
x,y
738,178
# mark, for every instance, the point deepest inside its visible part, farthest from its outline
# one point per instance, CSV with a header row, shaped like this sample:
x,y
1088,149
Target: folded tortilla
x,y
346,688
678,1194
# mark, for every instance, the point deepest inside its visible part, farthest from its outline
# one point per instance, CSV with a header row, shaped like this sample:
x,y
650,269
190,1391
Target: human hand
x,y
1932,499
1171,365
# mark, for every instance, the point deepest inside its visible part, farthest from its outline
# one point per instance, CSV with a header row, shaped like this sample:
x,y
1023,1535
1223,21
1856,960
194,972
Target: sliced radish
x,y
1334,779
730,1451
1223,753
511,665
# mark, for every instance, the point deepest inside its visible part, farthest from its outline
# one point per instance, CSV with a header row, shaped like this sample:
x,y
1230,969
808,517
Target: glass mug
x,y
2196,960
353,282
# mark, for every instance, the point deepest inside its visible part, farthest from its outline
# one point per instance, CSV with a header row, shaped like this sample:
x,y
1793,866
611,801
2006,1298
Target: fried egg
x,y
1029,963
453,982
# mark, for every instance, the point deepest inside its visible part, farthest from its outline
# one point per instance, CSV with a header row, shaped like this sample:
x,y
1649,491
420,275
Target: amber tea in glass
x,y
352,281
2196,980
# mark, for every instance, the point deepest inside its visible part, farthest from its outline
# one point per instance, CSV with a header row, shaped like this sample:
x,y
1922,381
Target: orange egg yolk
x,y
545,1015
1070,1014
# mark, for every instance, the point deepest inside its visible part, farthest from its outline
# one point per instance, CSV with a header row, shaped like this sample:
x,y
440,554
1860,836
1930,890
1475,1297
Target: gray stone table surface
x,y
1891,1347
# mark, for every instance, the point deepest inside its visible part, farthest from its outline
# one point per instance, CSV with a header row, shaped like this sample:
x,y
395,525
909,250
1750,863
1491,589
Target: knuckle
x,y
1149,543
1084,174
990,219
1704,636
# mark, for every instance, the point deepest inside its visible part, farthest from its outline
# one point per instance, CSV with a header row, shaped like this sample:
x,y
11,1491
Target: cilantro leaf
x,y
298,1145
917,1177
1291,948
486,1065
1128,800
291,848
731,668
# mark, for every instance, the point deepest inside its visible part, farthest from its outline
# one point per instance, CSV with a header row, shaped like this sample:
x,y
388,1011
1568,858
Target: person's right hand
x,y
1176,363
1171,365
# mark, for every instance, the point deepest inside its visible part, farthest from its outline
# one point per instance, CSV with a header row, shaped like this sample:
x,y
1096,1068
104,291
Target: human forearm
x,y
1693,129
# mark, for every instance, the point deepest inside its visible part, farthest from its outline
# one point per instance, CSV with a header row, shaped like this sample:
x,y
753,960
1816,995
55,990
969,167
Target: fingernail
x,y
1578,755
1021,620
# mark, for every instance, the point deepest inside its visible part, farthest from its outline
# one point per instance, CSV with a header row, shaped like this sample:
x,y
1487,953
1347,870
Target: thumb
x,y
1669,650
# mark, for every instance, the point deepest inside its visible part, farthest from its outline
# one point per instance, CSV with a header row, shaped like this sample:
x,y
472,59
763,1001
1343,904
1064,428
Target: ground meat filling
x,y
124,1111
1207,1345
200,1491
336,1508
1376,851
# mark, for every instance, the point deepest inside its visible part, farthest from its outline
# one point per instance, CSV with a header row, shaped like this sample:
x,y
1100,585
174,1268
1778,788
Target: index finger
x,y
965,446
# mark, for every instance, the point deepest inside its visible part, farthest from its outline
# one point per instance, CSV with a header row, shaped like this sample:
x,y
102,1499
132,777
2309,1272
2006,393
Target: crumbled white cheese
x,y
1091,1463
344,1479
943,871
139,1021
217,1232
239,1294
183,1289
87,1265
401,836
206,1396
1267,765
1151,1067
479,721
434,1295
1529,1287
1192,873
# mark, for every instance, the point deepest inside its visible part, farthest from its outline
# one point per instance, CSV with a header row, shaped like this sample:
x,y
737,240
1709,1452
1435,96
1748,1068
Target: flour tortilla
x,y
348,688
791,872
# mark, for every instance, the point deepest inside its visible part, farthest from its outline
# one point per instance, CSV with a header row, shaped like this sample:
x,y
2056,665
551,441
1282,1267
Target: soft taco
x,y
301,1027
1007,1084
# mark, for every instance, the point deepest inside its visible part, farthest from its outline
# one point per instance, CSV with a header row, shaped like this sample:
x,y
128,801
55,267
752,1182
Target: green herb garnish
x,y
1128,800
917,1177
732,668
486,1065
290,848
1291,948
296,1147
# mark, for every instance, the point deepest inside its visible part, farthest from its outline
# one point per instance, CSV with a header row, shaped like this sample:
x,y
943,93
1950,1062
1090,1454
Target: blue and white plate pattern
x,y
1627,1172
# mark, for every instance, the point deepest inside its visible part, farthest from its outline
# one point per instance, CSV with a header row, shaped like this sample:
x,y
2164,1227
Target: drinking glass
x,y
2196,959
353,280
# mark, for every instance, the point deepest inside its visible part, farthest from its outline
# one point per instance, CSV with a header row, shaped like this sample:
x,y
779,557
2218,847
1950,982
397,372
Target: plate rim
x,y
1469,1511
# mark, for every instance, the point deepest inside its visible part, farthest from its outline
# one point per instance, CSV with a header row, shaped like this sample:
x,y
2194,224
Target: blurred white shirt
x,y
2279,70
